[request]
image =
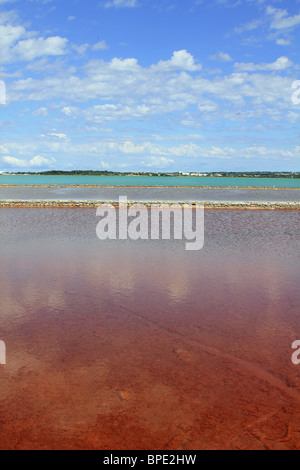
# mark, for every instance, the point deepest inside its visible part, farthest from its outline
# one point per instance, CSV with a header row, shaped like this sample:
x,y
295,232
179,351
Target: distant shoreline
x,y
221,174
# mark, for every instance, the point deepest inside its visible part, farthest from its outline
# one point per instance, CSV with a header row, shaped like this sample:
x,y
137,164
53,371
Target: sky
x,y
150,85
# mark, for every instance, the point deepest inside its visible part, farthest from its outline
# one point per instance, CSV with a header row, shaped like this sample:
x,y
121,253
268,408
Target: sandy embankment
x,y
207,204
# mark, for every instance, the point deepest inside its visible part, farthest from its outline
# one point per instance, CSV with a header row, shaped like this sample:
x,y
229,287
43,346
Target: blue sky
x,y
154,85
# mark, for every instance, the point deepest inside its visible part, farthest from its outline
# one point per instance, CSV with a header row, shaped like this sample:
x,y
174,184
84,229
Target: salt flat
x,y
149,194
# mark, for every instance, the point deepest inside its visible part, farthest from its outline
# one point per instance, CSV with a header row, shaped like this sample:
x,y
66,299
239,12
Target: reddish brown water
x,y
142,345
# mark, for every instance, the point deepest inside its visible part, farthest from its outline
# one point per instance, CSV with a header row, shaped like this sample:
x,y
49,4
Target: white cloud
x,y
127,91
280,19
283,42
222,56
121,4
119,79
41,162
181,60
275,19
81,49
100,46
280,64
112,154
250,26
158,162
15,162
9,35
30,49
41,112
37,162
16,45
69,110
56,135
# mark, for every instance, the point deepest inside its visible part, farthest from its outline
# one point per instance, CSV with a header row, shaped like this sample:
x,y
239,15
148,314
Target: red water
x,y
142,345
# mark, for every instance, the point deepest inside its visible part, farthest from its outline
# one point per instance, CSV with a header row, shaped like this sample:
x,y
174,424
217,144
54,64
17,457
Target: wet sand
x,y
142,345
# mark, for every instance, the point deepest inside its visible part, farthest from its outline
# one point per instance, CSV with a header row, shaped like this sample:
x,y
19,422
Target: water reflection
x,y
172,343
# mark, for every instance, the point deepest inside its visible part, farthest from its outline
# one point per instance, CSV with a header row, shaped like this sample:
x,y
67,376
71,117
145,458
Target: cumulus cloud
x,y
41,162
280,64
15,162
126,91
181,60
108,154
35,162
30,49
17,45
117,79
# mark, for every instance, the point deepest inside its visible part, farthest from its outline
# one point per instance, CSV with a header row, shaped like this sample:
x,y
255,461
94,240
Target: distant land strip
x,y
48,204
181,174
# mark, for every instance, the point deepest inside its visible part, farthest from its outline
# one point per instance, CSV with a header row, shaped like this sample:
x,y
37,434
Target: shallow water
x,y
142,345
150,194
164,181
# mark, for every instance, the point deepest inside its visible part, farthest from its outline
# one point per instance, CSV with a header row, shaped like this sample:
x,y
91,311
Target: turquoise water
x,y
164,181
